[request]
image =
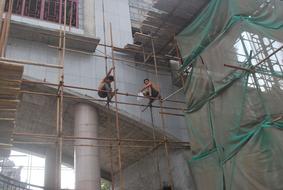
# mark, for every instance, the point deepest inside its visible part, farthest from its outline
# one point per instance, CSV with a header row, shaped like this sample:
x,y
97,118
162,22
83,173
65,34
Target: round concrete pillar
x,y
87,166
50,175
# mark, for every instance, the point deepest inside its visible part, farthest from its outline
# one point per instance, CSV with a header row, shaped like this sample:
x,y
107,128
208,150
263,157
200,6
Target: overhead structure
x,y
163,25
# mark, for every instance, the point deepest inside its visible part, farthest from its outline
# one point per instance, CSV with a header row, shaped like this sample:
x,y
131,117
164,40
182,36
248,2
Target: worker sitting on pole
x,y
104,88
151,91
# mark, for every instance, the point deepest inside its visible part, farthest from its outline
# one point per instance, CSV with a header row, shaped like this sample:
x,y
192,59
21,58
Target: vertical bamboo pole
x,y
180,61
155,154
117,114
104,36
112,172
171,183
6,29
60,101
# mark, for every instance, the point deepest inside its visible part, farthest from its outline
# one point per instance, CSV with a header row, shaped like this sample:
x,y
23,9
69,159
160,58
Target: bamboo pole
x,y
273,53
66,138
96,100
104,37
171,182
6,29
112,169
116,113
96,90
60,95
109,57
173,114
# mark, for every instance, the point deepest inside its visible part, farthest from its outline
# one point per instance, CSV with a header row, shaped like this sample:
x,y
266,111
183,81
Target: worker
x,y
104,88
150,90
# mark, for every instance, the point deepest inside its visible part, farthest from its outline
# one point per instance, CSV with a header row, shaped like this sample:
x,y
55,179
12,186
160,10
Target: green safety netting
x,y
234,116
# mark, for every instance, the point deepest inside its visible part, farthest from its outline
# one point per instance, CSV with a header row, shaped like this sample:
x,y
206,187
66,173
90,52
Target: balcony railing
x,y
48,10
7,183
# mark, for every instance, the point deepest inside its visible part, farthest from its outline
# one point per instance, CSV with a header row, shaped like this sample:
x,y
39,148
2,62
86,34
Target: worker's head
x,y
146,81
110,78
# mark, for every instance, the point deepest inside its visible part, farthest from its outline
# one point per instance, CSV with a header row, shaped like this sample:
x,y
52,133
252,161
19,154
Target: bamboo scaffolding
x,y
59,137
96,100
109,57
66,137
96,90
60,100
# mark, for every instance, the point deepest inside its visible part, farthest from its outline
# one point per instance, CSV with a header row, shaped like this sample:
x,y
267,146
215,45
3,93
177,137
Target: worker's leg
x,y
108,89
154,95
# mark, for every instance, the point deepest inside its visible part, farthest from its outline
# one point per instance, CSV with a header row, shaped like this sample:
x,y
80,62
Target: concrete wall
x,y
89,15
143,175
87,71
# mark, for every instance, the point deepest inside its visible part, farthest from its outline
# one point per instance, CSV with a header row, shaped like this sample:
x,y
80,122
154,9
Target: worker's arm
x,y
109,72
146,86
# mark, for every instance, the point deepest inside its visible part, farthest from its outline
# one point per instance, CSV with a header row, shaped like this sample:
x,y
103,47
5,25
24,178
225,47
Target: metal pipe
x,y
109,57
174,93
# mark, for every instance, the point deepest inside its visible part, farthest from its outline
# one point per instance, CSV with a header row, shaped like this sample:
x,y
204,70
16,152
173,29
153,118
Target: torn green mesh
x,y
234,116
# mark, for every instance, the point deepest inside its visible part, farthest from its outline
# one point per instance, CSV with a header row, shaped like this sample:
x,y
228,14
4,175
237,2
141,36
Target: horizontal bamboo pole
x,y
273,53
95,90
50,136
174,114
238,67
98,100
74,145
109,57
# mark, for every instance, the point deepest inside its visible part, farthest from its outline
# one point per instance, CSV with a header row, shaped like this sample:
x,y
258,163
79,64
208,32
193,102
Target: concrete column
x,y
87,166
50,175
89,17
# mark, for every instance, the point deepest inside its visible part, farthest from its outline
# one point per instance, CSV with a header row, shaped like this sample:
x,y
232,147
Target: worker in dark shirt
x,y
105,89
